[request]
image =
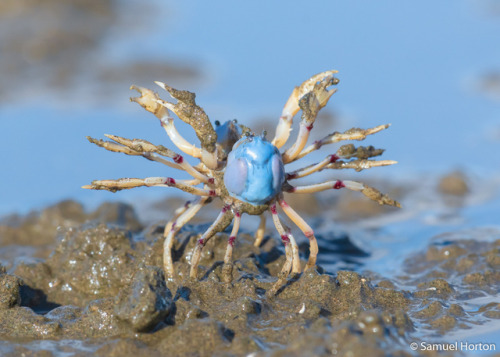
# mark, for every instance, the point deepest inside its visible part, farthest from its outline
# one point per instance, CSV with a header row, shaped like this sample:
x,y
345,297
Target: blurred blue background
x,y
429,68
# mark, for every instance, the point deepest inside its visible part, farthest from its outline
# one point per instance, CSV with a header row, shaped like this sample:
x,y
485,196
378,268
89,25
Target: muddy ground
x,y
74,283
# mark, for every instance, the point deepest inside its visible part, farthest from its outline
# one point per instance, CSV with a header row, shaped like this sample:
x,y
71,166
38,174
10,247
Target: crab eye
x,y
235,176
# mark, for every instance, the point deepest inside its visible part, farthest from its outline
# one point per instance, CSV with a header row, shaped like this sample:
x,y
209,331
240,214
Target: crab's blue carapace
x,y
254,171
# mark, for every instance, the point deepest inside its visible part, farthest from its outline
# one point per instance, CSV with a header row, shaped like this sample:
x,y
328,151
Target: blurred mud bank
x,y
74,282
62,51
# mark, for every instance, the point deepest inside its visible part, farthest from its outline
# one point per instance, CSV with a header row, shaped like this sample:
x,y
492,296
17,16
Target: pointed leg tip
x,y
227,273
193,276
273,291
161,84
141,90
169,273
310,266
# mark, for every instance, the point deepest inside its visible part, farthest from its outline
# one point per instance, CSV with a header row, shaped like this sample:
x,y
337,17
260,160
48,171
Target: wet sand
x,y
77,282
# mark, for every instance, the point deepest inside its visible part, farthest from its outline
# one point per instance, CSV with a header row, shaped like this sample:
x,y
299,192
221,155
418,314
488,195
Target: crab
x,y
245,170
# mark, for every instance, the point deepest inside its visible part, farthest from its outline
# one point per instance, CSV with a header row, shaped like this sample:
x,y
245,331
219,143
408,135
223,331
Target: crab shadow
x,y
337,252
36,299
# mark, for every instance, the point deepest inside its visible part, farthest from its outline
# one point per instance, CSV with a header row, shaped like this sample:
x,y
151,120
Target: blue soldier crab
x,y
246,171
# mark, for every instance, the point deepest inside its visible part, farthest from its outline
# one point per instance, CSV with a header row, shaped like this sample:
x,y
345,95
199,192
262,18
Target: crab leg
x,y
177,213
186,166
145,149
359,165
351,134
148,150
232,238
305,228
368,191
223,220
126,183
259,233
285,271
308,170
292,107
331,162
183,216
335,184
114,147
149,101
292,255
227,268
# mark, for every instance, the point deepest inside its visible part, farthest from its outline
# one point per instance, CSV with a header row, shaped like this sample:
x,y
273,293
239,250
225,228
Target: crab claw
x,y
292,106
164,86
161,84
149,101
164,103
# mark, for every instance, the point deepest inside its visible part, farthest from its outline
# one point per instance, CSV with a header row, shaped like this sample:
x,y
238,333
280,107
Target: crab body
x,y
244,170
254,171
